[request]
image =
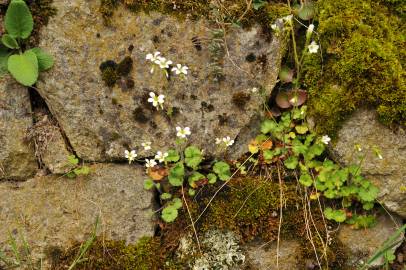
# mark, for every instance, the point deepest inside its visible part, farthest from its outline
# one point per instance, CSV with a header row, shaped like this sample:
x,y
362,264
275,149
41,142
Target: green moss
x,y
249,208
107,8
363,48
230,10
109,76
116,255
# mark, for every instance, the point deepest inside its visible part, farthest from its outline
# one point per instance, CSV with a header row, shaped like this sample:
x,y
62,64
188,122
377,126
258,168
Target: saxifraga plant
x,y
23,64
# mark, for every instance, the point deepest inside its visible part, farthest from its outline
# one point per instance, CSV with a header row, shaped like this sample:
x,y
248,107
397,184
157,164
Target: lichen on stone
x,y
221,250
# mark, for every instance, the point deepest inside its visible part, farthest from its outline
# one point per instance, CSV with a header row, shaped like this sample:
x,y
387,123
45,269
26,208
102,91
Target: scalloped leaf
x,y
24,67
18,20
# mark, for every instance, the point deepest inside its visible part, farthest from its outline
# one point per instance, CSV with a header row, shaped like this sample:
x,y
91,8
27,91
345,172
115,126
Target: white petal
x,y
152,94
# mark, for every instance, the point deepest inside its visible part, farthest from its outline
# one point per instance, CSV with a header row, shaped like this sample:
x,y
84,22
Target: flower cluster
x,y
165,64
160,156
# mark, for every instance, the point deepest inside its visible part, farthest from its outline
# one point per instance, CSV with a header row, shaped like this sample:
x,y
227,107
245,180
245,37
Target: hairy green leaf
x,y
193,157
24,67
176,175
169,214
18,20
45,60
148,184
223,170
9,41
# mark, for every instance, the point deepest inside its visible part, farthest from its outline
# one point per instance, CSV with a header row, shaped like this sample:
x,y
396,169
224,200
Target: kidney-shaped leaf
x,y
45,60
24,67
18,20
9,42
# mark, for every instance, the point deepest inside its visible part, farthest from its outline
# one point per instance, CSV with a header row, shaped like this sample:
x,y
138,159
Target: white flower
x,y
153,57
179,69
288,18
156,100
274,26
183,132
150,163
379,156
313,47
162,62
325,139
254,90
161,156
130,155
310,28
227,140
146,145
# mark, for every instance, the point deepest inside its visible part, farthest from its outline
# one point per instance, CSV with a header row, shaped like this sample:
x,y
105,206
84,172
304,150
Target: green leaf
x,y
257,4
176,175
195,176
298,147
306,180
307,11
176,203
169,214
45,60
212,178
24,67
173,156
148,184
191,192
291,162
368,194
4,54
166,196
18,21
268,126
9,42
84,170
193,157
73,160
222,169
337,215
301,129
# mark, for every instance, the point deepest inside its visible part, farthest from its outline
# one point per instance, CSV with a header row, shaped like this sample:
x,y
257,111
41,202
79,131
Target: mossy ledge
x,y
248,206
230,11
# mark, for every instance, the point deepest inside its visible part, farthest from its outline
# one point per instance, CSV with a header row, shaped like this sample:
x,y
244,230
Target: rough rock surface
x,y
101,122
50,211
17,159
51,149
388,173
265,259
362,244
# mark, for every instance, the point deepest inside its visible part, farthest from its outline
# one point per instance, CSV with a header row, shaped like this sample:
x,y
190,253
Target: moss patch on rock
x,y
231,11
363,48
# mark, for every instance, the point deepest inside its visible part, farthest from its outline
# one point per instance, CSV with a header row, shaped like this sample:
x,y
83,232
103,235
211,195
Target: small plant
x,y
182,169
78,169
386,250
302,151
24,65
21,254
85,247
